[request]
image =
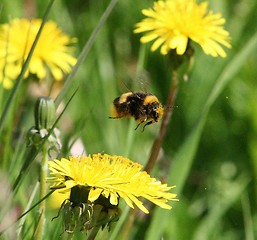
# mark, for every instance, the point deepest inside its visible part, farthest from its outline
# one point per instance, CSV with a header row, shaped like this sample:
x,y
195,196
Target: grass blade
x,y
85,52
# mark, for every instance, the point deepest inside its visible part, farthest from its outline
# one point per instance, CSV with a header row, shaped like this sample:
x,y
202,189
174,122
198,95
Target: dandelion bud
x,y
44,113
76,217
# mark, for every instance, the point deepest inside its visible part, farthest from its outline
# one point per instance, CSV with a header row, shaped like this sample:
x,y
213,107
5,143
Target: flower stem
x,y
166,118
42,192
93,233
155,148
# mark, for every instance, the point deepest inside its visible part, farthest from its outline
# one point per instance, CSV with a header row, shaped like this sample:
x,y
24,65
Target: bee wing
x,y
142,82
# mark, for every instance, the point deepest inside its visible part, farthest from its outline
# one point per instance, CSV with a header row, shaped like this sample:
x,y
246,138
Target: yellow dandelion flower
x,y
173,23
112,177
8,72
52,52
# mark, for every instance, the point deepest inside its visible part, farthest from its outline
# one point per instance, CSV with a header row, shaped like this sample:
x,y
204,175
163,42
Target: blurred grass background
x,y
211,143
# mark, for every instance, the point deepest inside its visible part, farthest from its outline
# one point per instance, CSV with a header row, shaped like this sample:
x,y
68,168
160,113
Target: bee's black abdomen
x,y
137,105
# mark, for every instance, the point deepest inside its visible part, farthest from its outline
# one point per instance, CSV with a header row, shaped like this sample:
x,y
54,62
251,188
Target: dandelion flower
x,y
8,72
173,23
52,52
111,177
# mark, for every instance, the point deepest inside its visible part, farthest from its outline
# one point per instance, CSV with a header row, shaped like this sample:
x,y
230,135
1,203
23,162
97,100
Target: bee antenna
x,y
175,106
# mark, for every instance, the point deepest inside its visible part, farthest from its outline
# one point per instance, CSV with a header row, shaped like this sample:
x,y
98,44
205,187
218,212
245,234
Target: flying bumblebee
x,y
143,107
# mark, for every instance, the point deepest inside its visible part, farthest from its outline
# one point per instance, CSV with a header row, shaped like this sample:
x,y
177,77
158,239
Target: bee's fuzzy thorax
x,y
150,99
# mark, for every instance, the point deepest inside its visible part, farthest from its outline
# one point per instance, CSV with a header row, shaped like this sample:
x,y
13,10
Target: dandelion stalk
x,y
44,119
42,192
93,233
166,118
156,146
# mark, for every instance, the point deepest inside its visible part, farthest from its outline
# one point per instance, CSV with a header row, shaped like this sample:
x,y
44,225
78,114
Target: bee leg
x,y
138,126
148,123
142,121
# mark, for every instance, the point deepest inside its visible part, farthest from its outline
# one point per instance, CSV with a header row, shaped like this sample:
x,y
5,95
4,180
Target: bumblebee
x,y
143,107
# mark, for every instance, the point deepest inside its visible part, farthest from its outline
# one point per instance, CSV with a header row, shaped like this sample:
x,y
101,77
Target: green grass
x,y
210,145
